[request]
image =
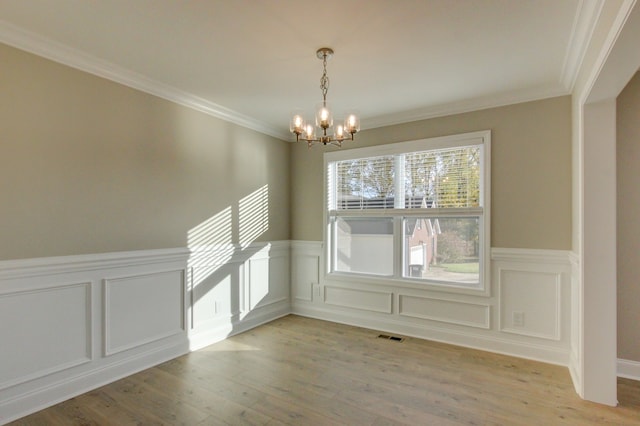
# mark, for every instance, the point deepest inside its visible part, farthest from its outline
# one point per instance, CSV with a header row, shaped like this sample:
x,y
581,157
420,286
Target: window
x,y
416,212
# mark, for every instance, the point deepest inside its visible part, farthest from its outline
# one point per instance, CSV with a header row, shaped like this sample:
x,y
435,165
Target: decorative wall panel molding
x,y
128,322
304,276
530,302
368,300
215,292
250,286
533,284
31,348
60,318
444,310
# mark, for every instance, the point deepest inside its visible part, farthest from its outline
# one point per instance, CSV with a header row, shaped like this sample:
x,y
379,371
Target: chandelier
x,y
333,135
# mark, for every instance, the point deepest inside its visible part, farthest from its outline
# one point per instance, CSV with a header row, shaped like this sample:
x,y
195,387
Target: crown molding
x,y
475,104
57,52
584,25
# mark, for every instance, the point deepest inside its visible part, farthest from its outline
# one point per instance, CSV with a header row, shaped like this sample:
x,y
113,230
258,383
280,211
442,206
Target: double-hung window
x,y
415,212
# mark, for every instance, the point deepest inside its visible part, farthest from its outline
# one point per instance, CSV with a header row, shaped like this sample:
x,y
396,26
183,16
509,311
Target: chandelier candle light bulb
x,y
324,117
297,123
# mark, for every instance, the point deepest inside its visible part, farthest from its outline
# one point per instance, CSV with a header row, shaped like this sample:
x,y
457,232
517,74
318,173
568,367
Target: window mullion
x,y
398,244
399,201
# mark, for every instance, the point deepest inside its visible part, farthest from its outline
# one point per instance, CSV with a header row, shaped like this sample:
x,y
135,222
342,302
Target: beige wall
x,y
90,166
628,212
530,168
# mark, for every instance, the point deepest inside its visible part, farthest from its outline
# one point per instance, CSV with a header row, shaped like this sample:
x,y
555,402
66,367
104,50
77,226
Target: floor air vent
x,y
394,338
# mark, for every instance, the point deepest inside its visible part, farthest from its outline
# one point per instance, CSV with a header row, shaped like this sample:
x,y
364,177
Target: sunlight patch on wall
x,y
211,245
253,215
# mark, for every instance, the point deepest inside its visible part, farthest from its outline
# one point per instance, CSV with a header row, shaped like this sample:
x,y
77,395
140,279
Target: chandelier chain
x,y
324,80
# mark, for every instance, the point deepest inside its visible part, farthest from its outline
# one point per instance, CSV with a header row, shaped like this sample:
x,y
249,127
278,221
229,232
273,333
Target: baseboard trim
x,y
233,325
575,372
629,369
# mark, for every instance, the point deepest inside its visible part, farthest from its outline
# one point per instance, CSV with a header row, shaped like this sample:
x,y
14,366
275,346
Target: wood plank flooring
x,y
302,371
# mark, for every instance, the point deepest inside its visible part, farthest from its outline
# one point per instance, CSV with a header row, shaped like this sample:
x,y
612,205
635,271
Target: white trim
x,y
562,257
87,262
47,48
478,138
219,329
464,338
584,25
470,105
557,276
456,329
388,296
88,355
586,93
440,142
629,369
484,325
42,46
107,283
61,390
38,389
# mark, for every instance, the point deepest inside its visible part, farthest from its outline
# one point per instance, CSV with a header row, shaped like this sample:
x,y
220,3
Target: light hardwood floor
x,y
302,371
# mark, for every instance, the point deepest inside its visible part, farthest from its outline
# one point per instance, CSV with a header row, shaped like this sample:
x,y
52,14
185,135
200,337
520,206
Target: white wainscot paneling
x,y
142,309
305,273
444,310
233,288
44,331
265,280
66,323
533,282
530,303
215,294
368,300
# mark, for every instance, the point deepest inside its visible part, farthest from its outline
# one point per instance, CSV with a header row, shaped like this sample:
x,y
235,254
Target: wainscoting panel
x,y
530,303
266,278
251,287
304,277
142,309
443,310
535,285
305,271
214,297
70,324
57,318
375,301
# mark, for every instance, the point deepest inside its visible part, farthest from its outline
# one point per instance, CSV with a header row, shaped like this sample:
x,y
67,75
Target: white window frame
x,y
482,138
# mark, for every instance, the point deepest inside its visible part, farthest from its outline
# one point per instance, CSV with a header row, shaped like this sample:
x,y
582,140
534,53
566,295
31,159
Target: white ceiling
x,y
253,61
